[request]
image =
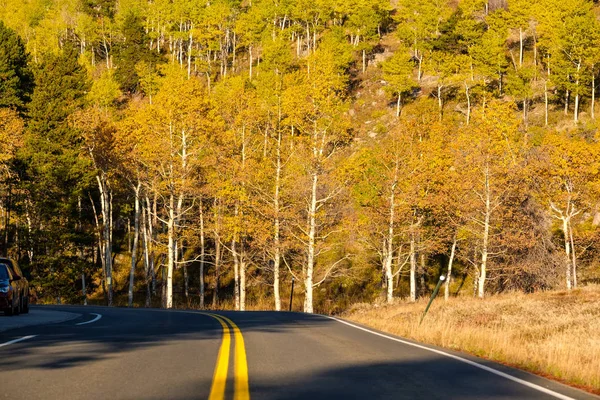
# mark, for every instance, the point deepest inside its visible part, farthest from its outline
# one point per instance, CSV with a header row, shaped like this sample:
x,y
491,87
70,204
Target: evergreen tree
x,y
16,81
55,169
130,52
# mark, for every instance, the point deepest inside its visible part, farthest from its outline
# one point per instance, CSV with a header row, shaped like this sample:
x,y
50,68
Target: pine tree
x,y
55,170
16,80
133,50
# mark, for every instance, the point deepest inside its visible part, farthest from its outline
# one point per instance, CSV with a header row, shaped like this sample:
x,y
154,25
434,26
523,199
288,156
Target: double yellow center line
x,y
241,387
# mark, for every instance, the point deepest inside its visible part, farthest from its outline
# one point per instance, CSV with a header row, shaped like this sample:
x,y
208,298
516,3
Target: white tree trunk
x,y
310,262
568,266
389,241
520,47
413,268
251,61
486,235
217,239
546,103
593,105
136,235
468,103
440,103
189,53
236,275
364,61
535,51
100,244
573,257
202,254
171,252
449,274
242,279
106,210
146,255
387,260
576,111
277,228
79,252
422,270
234,53
30,229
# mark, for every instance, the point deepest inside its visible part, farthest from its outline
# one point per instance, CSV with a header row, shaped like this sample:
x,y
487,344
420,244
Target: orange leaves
x,y
11,138
11,133
568,168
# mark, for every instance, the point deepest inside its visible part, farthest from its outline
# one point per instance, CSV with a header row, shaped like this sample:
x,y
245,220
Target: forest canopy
x,y
195,153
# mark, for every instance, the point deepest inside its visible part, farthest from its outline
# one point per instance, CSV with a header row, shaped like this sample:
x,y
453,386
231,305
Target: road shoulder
x,y
562,390
35,317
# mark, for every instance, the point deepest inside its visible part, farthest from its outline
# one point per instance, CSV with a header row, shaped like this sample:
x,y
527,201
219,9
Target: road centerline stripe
x,y
17,340
461,359
242,389
98,316
217,389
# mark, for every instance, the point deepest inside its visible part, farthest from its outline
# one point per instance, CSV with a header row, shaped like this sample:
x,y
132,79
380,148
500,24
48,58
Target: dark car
x,y
14,288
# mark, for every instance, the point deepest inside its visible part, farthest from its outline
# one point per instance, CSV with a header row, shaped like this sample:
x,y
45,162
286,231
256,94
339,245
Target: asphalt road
x,y
156,354
35,316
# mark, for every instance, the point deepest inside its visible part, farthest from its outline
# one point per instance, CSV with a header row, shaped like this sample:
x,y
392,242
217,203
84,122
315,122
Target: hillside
x,y
181,153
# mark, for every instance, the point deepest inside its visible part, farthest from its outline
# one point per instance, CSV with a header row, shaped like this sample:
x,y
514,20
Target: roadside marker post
x,y
433,295
292,294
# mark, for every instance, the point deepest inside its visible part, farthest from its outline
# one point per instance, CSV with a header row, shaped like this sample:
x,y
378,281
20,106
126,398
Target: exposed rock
x,y
381,57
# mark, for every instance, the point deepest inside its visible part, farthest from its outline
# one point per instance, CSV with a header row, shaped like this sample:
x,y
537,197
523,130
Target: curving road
x,y
112,353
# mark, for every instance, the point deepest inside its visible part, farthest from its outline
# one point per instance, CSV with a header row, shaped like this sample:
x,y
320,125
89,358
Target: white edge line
x,y
17,340
466,361
98,316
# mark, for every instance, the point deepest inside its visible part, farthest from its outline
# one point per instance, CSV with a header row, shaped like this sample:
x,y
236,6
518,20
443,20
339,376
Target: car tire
x,y
25,309
18,308
10,311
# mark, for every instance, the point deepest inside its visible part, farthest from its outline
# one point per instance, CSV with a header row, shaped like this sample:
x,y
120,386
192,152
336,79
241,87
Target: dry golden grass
x,y
554,334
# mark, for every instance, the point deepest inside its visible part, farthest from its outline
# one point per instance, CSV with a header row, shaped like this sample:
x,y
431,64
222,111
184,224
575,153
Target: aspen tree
x,y
398,72
170,135
98,132
489,156
240,146
317,110
520,13
270,89
419,24
442,66
381,177
568,169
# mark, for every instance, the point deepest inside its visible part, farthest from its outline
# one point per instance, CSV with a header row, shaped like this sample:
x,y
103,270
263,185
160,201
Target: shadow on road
x,y
343,363
428,379
124,330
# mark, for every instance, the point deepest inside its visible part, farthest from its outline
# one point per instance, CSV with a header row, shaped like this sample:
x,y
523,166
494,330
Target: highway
x,y
118,353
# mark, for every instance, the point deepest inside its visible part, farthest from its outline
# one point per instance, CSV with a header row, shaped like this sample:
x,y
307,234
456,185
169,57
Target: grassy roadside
x,y
553,334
